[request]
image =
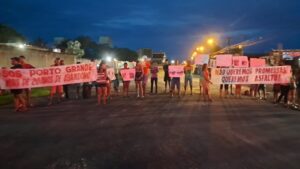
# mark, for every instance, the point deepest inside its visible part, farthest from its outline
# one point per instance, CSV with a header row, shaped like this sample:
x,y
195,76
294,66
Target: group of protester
x,y
144,71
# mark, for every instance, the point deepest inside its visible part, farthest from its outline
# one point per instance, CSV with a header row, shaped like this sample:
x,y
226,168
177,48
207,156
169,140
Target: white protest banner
x,y
176,71
111,73
127,74
254,62
50,76
202,59
258,75
240,61
224,60
212,63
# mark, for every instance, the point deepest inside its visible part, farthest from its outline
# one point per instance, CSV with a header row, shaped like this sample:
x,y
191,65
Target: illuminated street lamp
x,y
172,61
200,49
210,41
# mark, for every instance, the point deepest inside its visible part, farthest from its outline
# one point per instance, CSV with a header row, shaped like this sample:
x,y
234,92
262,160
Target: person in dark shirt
x,y
19,100
27,91
167,78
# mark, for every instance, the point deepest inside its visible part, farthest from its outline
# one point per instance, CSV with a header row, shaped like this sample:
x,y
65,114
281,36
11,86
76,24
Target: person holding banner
x,y
146,76
126,83
102,81
206,83
139,77
175,82
27,91
19,100
56,89
188,77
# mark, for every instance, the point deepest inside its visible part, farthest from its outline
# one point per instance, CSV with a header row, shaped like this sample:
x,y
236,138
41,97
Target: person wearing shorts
x,y
19,100
188,78
175,82
139,77
56,89
102,81
27,91
146,76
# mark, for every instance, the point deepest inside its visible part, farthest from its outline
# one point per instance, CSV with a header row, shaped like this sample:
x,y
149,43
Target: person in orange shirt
x,y
146,68
26,65
56,89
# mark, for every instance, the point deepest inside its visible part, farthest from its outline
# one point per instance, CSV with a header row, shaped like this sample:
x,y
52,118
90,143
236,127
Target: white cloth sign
x,y
111,73
127,74
258,75
224,60
202,59
212,63
176,71
254,62
240,61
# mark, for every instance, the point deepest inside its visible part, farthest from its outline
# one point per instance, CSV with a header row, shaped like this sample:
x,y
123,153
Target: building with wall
x,y
159,57
38,57
145,52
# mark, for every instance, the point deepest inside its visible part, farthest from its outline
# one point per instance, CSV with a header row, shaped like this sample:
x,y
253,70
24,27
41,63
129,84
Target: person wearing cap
x,y
27,91
19,100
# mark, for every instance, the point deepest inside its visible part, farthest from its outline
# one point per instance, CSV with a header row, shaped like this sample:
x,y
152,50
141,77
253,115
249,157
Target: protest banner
x,y
127,74
111,73
50,76
212,63
258,75
224,60
202,59
255,62
240,61
176,71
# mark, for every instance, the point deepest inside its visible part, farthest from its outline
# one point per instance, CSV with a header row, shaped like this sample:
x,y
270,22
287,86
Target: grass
x,y
38,92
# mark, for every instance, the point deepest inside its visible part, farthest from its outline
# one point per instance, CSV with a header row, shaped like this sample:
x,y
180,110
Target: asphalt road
x,y
154,133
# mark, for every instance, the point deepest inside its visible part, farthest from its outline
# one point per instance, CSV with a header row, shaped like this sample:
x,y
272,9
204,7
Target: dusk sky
x,y
174,27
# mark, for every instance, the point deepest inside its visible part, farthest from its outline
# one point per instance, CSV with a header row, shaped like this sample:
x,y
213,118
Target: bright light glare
x,y
21,46
108,58
210,41
172,61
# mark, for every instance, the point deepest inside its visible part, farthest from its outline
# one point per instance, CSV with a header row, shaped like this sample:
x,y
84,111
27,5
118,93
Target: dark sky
x,y
173,26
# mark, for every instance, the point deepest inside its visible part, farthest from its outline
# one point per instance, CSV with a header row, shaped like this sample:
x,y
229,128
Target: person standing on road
x,y
65,87
102,81
175,82
56,89
167,78
293,88
139,77
284,92
206,83
201,79
27,91
146,76
125,83
154,72
19,100
188,76
116,82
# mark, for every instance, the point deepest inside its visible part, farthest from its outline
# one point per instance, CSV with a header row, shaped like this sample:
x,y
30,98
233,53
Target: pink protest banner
x,y
111,73
251,75
50,76
254,62
224,60
176,71
202,59
240,61
127,74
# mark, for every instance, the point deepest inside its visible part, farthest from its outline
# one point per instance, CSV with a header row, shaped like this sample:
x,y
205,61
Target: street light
x,y
200,49
210,41
172,61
